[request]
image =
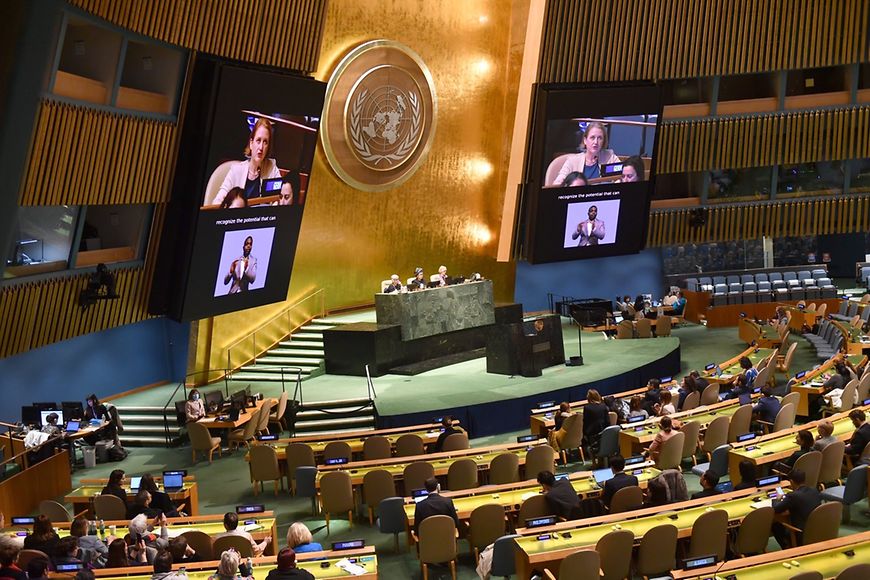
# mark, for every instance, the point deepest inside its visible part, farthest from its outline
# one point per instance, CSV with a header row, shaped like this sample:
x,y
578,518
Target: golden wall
x,y
449,212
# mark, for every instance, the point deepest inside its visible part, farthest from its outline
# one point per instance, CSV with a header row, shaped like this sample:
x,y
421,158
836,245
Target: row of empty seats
x,y
828,341
849,310
765,287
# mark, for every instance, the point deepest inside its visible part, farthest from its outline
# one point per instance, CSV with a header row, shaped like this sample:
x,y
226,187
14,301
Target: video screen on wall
x,y
255,151
591,172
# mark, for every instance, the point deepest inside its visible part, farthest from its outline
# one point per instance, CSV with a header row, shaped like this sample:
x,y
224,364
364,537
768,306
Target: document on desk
x,y
252,527
175,532
760,504
350,567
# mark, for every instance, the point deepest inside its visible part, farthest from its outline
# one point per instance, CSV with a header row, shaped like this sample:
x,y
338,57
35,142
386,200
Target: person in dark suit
x,y
798,504
160,501
419,282
115,486
595,418
804,439
860,437
748,475
434,505
394,286
449,429
709,481
768,406
560,494
619,480
653,396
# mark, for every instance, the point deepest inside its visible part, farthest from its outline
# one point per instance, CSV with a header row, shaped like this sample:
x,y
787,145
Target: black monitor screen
x,y
591,171
30,415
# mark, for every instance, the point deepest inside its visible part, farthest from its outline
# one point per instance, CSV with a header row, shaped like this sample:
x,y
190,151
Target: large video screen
x,y
253,138
591,171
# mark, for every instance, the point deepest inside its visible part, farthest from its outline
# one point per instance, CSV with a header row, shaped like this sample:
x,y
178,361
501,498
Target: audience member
x,y
666,426
122,556
43,537
434,505
559,416
679,305
595,418
619,480
804,440
9,550
799,503
181,551
636,408
826,435
37,568
115,486
299,538
560,495
709,481
93,550
749,372
160,501
687,387
163,567
194,409
231,525
768,406
861,436
653,396
666,407
66,551
232,567
748,475
286,569
142,505
449,429
740,391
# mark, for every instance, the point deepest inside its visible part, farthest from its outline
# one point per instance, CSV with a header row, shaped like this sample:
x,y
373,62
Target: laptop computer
x,y
172,481
135,483
602,475
72,426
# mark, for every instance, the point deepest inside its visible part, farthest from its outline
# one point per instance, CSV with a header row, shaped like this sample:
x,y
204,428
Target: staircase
x,y
303,349
143,426
328,417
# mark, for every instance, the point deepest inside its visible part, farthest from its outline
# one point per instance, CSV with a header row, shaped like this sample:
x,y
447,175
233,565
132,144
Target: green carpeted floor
x,y
225,483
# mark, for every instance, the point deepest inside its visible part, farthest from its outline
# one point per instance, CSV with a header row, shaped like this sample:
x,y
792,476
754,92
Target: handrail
x,y
286,328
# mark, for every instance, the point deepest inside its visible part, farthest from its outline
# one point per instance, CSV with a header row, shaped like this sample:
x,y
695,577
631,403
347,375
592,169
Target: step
x,y
265,376
131,420
355,402
288,370
145,410
149,428
296,352
306,344
306,337
286,361
332,423
337,412
329,432
148,440
318,326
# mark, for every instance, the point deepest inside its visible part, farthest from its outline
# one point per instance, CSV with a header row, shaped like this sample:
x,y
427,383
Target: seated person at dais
x,y
419,281
231,525
560,495
299,538
798,503
619,480
395,285
448,430
434,505
286,568
194,409
709,481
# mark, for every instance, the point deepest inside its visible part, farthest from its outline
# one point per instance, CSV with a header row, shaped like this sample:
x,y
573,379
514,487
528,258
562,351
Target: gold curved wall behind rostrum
x,y
449,212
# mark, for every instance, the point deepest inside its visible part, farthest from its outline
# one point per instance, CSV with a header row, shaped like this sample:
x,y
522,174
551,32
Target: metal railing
x,y
276,329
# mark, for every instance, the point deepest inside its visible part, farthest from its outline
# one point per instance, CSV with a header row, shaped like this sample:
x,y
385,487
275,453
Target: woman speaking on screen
x,y
249,174
589,162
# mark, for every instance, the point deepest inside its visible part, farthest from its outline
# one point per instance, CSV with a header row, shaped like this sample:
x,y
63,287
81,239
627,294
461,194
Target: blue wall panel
x,y
104,363
597,278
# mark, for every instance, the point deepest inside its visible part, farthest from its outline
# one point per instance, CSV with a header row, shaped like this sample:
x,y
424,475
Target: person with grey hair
x,y
140,528
232,567
9,550
395,285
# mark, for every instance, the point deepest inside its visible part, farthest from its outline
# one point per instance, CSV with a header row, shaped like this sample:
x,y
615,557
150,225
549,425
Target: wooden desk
x,y
635,437
753,333
310,561
729,315
854,339
828,558
541,418
810,384
767,450
21,493
539,553
731,367
82,498
212,422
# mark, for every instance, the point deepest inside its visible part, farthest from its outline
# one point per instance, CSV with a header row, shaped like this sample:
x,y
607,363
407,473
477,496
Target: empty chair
x,y
534,507
744,278
761,277
732,279
804,275
539,458
789,276
264,467
719,280
378,485
791,398
201,543
784,419
306,484
739,422
783,363
705,284
710,534
720,295
671,452
855,572
614,549
504,468
262,419
201,440
392,518
810,463
462,474
110,507
691,284
823,524
336,495
503,557
609,443
376,447
718,463
240,544
750,290
626,499
658,547
625,329
409,445
278,416
54,511
337,450
852,492
25,556
809,575
580,564
715,435
691,401
437,543
298,454
710,394
819,273
663,326
643,328
690,429
245,435
415,475
812,291
455,442
754,532
832,464
486,524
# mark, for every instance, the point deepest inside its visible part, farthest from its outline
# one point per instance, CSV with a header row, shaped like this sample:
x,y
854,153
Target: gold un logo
x,y
379,117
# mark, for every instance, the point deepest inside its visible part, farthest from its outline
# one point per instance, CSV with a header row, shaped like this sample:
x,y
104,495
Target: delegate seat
x,y
747,278
750,293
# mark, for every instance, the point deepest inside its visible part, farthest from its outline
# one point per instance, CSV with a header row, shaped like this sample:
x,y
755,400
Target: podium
x,y
525,348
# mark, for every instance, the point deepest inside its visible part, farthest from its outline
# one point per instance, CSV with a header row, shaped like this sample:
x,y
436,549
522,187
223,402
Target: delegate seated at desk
x,y
560,495
419,281
395,285
619,480
798,504
434,505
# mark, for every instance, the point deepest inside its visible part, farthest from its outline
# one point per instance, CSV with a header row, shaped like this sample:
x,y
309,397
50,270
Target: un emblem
x,y
379,117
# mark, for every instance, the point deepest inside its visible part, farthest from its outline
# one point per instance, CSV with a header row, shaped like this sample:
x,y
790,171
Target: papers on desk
x,y
252,527
175,532
760,504
350,567
726,376
528,494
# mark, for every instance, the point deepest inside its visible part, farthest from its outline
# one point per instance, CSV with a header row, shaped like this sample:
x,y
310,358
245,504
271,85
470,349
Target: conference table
x,y
828,558
727,371
800,317
483,456
634,437
82,497
856,342
547,546
512,495
321,565
758,333
767,450
222,420
428,432
808,384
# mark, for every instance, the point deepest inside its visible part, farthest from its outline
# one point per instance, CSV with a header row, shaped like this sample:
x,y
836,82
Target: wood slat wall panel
x,y
793,218
661,39
131,167
759,140
270,32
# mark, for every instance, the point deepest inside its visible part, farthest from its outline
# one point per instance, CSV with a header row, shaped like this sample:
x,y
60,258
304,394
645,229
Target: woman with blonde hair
x,y
594,155
299,538
232,567
249,174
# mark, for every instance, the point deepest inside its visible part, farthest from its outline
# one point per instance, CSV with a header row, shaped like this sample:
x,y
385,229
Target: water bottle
x,y
102,530
92,528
